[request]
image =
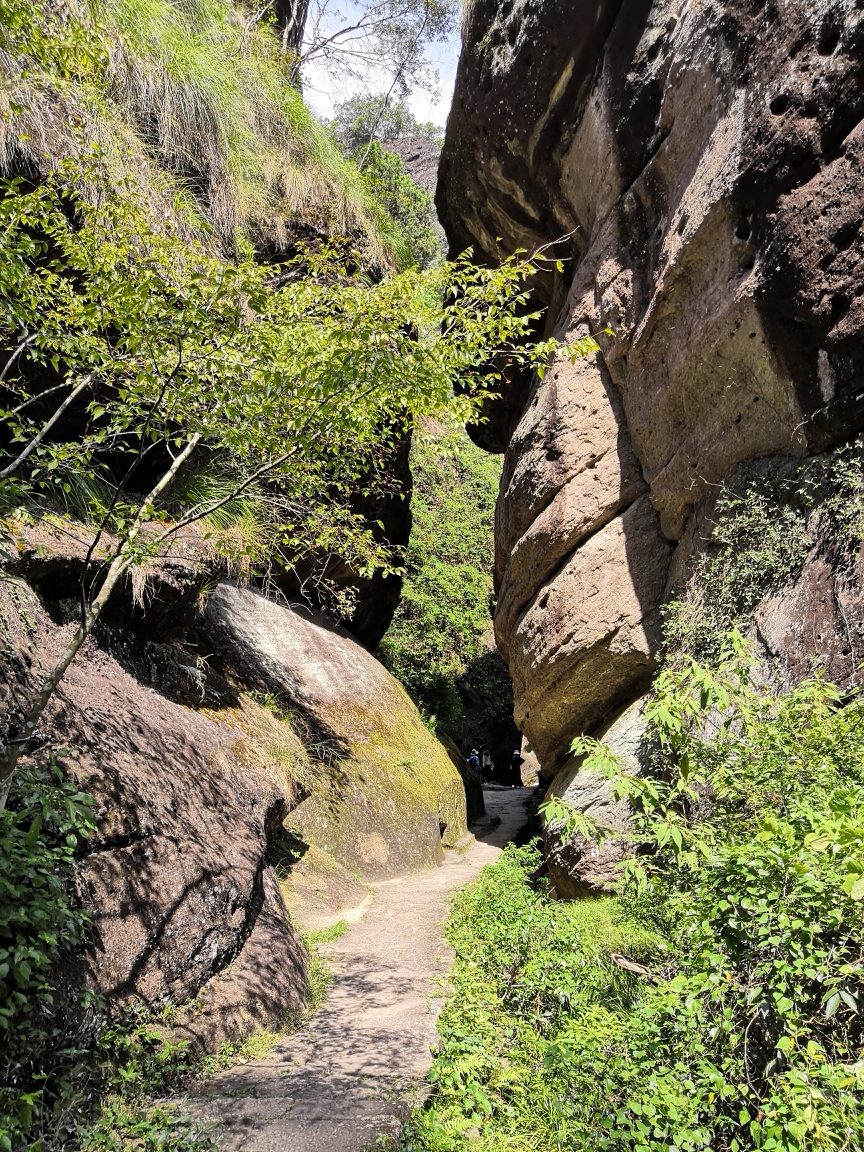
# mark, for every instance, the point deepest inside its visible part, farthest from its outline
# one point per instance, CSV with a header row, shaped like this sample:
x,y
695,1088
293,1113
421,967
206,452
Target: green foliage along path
x,y
716,1003
439,644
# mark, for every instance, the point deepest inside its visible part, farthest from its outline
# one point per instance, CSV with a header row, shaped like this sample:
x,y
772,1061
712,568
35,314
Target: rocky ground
x,y
353,1072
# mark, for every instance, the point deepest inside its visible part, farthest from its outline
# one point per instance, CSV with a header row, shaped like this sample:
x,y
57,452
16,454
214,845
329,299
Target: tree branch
x,y
37,440
11,753
33,399
386,100
28,340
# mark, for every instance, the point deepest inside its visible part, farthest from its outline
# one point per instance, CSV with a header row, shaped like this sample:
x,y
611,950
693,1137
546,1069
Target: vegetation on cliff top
x,y
198,104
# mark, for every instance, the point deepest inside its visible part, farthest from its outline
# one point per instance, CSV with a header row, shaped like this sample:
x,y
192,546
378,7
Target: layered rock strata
x,y
697,168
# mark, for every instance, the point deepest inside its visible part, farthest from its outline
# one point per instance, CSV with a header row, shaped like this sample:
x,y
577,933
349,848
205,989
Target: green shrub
x,y
443,622
40,923
738,1026
409,205
533,980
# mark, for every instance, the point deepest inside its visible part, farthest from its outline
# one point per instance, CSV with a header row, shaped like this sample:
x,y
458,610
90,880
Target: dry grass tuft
x,y
192,101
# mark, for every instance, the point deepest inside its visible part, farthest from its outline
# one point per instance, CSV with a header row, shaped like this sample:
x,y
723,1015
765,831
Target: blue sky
x,y
321,92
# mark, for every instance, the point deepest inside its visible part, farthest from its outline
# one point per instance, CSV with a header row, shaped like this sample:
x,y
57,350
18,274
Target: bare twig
x,y
24,343
632,966
386,100
37,440
33,399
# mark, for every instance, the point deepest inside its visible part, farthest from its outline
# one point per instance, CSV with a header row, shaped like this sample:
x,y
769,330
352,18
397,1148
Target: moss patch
x,y
755,538
389,804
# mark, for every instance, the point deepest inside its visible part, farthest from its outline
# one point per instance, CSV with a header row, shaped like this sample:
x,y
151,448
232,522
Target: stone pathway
x,y
352,1073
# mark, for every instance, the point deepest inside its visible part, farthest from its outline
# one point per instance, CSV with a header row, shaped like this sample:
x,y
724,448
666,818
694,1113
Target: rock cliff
x,y
216,744
697,167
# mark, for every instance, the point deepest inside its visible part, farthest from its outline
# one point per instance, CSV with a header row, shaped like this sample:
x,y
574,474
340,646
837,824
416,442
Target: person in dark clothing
x,y
474,761
514,773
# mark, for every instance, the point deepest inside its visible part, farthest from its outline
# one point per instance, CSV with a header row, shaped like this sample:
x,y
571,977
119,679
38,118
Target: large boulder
x,y
697,169
264,735
185,908
386,798
578,866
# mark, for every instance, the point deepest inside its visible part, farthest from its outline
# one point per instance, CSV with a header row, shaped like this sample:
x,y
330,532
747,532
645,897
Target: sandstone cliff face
x,y
699,165
208,742
385,797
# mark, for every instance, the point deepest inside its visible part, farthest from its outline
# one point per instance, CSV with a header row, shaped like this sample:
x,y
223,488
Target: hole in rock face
x,y
284,849
779,104
743,230
845,235
839,306
829,38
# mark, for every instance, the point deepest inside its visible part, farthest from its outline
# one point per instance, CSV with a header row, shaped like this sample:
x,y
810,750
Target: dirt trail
x,y
352,1073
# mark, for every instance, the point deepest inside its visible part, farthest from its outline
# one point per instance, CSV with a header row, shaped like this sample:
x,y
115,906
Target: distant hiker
x,y
486,765
473,761
515,773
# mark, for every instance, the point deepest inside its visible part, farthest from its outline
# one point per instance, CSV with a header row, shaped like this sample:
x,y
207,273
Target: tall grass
x,y
194,100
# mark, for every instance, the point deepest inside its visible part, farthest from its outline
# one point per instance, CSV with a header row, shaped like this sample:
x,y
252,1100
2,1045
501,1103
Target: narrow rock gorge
x,y
696,168
258,680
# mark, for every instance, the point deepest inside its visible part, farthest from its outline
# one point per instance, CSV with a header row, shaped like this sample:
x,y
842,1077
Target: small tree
x,y
286,386
366,39
364,118
405,202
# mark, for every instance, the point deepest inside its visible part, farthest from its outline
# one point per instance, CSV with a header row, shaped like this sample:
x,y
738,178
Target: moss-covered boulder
x,y
386,798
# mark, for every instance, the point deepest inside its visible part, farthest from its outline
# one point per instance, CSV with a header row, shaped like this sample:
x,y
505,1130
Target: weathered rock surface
x,y
585,644
809,618
702,163
176,879
420,157
194,773
816,624
580,867
387,797
569,470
